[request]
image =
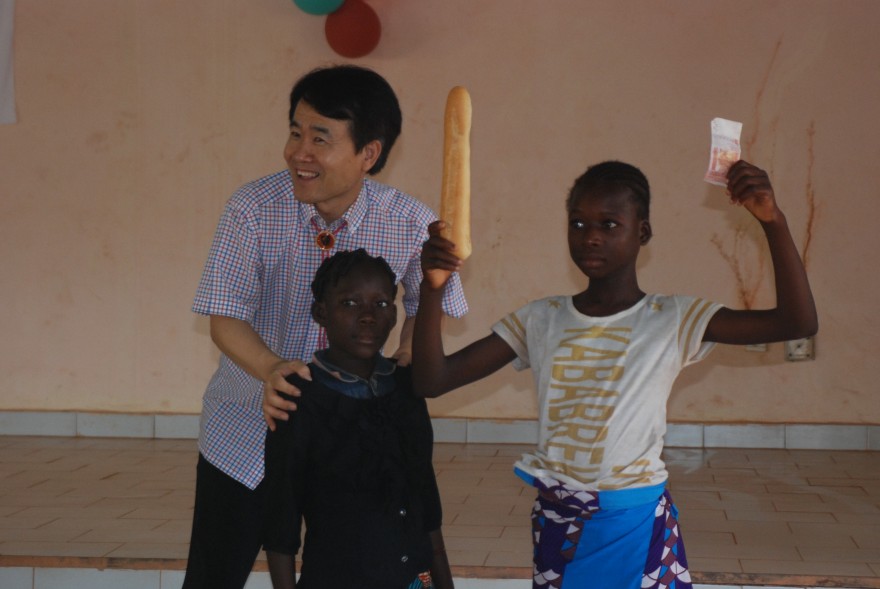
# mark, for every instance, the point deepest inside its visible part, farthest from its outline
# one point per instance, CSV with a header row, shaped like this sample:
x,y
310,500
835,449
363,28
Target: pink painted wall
x,y
137,120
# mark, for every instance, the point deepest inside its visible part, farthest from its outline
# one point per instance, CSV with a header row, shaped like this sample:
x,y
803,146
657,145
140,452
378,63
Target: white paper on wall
x,y
7,82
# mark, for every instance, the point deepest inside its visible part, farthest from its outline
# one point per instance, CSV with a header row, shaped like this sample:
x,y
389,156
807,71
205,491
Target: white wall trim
x,y
473,431
470,431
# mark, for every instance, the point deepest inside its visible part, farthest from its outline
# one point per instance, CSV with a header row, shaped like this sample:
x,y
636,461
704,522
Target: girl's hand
x,y
749,186
438,261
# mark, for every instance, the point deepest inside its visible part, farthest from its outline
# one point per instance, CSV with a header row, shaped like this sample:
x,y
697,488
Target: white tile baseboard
x,y
52,578
458,430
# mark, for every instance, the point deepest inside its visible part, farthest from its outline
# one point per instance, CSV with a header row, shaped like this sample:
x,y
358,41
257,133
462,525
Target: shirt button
x,y
402,512
404,558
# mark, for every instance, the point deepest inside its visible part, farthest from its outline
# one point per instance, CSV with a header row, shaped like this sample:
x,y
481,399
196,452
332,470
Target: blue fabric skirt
x,y
423,581
626,539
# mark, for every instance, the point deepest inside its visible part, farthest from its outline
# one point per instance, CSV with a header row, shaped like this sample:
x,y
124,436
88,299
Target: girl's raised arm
x,y
794,316
435,373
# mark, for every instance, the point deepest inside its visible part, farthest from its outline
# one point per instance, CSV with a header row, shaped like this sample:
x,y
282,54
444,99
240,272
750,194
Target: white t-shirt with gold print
x,y
603,384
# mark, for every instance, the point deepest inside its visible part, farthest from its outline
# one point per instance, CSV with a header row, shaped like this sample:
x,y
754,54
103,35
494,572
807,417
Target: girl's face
x,y
358,313
605,233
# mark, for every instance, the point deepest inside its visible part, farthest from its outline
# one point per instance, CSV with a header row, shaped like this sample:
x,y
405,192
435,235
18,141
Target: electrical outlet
x,y
800,349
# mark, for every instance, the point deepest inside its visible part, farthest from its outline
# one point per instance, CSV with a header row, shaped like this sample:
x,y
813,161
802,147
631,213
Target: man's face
x,y
326,170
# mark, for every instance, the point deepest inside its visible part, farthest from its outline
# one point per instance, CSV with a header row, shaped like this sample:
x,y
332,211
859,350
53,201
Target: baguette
x,y
455,195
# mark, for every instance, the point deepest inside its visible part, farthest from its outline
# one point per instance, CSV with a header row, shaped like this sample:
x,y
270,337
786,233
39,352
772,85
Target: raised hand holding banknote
x,y
750,187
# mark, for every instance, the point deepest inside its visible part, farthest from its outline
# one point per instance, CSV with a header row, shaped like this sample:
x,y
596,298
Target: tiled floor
x,y
794,518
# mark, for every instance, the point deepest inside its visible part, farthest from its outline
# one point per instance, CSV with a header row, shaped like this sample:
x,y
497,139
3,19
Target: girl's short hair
x,y
341,263
613,175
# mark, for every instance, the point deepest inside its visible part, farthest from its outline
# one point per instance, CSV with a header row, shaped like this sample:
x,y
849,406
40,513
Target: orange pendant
x,y
325,240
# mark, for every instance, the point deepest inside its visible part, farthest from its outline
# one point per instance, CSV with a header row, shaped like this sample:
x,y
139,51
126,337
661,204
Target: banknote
x,y
725,150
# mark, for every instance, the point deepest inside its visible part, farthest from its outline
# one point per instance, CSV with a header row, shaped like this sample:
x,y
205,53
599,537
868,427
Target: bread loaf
x,y
455,195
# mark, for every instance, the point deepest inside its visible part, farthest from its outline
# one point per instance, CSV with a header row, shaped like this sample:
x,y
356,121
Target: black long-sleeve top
x,y
358,472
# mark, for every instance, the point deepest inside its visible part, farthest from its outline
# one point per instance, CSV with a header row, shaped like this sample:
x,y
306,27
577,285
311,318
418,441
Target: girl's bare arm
x,y
435,373
794,315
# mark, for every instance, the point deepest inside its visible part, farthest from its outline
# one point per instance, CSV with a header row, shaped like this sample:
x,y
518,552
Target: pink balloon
x,y
353,30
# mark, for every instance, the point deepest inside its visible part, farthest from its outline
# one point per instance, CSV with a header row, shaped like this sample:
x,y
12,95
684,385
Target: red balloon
x,y
353,30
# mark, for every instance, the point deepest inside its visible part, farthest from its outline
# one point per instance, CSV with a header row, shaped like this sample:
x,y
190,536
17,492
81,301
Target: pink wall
x,y
137,120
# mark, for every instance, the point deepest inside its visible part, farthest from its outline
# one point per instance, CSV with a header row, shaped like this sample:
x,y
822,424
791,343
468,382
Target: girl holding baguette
x,y
604,361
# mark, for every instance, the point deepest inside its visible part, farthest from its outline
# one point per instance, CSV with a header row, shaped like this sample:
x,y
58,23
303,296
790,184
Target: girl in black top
x,y
354,460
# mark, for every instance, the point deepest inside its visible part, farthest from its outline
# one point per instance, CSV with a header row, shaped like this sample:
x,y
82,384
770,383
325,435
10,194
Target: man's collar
x,y
352,217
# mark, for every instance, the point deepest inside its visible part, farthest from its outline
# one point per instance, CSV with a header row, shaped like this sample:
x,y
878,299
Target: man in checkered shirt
x,y
272,236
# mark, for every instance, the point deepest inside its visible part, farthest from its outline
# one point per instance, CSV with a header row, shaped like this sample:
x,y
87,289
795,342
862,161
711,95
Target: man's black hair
x,y
357,95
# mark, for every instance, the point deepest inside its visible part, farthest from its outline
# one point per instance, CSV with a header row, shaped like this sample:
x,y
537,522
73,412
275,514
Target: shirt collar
x,y
352,216
382,367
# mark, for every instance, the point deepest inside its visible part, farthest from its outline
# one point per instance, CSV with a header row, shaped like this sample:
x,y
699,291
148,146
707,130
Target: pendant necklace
x,y
326,239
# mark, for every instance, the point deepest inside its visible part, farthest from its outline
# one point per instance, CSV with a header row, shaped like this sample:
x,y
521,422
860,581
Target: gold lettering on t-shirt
x,y
577,393
579,432
582,398
579,373
585,411
574,453
582,472
618,334
580,353
627,476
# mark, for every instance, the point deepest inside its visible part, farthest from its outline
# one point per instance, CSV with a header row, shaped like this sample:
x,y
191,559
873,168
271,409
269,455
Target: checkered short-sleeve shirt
x,y
260,269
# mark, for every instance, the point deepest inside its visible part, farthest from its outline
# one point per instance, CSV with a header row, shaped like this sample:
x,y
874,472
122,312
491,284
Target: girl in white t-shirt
x,y
604,361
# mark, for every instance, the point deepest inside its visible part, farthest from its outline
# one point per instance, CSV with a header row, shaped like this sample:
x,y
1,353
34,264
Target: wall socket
x,y
800,349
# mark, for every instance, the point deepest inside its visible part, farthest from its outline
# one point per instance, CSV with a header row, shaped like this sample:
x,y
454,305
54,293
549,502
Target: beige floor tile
x,y
466,557
40,534
150,550
703,544
24,548
718,550
503,502
735,501
715,565
697,499
749,537
841,554
58,511
463,531
743,512
468,478
787,516
703,520
857,518
479,544
160,512
524,510
489,519
499,558
787,567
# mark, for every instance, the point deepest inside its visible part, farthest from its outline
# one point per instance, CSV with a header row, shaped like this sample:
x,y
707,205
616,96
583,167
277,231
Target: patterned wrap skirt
x,y
423,581
626,539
